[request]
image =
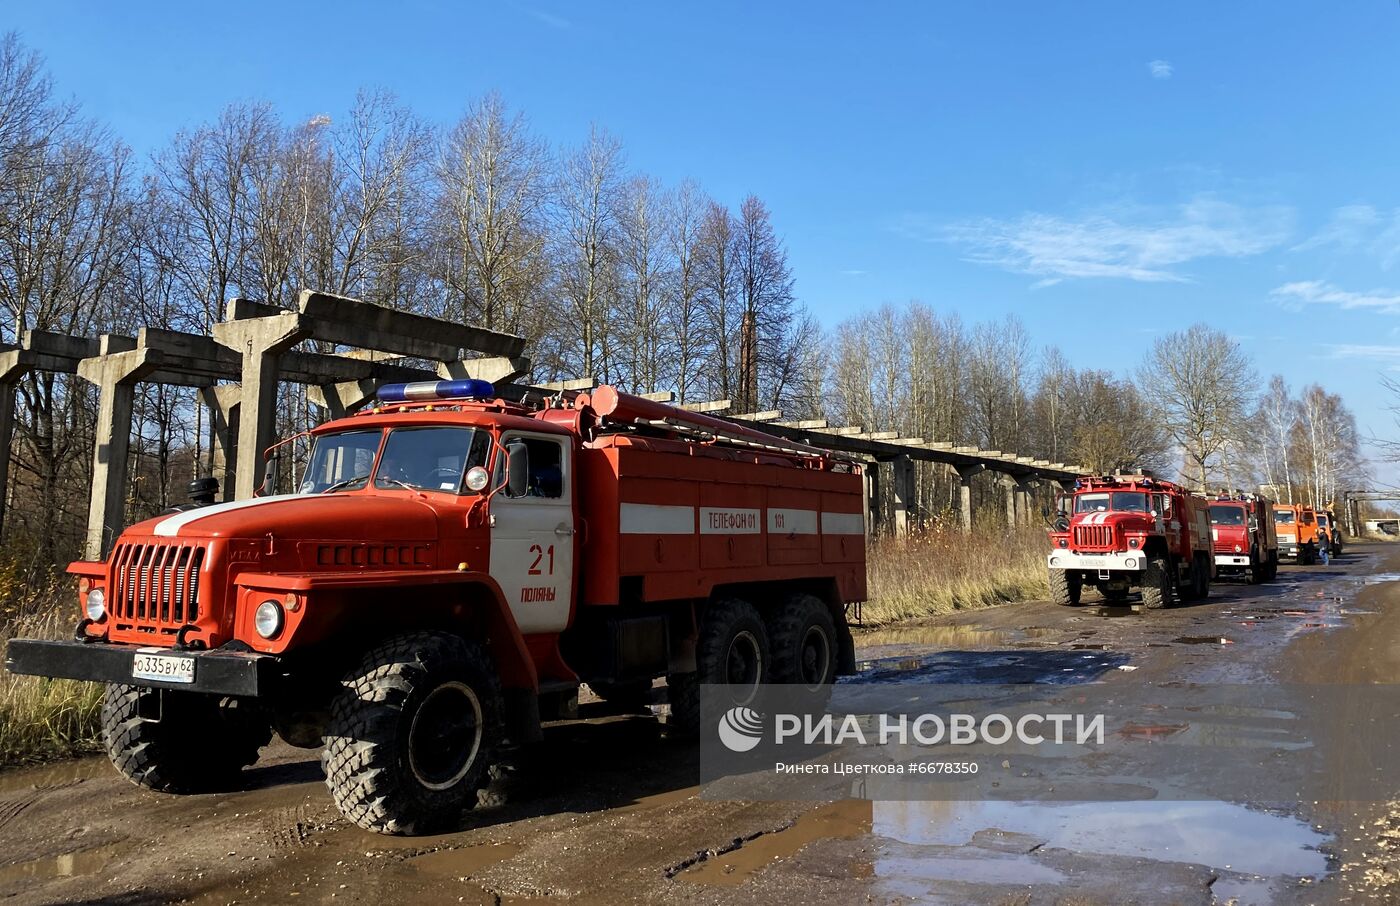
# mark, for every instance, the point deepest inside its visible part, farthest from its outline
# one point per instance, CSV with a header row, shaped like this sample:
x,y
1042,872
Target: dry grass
x,y
943,571
42,719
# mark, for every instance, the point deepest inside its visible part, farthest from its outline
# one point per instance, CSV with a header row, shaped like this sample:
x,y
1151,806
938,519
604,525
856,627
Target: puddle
x,y
54,776
462,864
1380,578
901,874
1201,640
838,821
68,865
1220,835
1005,666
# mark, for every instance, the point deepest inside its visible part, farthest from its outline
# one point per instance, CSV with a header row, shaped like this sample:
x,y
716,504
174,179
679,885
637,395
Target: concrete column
x,y
344,398
874,516
116,375
902,481
965,476
1024,486
12,368
224,404
261,342
1008,488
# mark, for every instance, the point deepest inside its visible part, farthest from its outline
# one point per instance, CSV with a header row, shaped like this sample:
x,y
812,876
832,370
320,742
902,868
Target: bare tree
x,y
718,278
491,184
588,200
684,314
1200,380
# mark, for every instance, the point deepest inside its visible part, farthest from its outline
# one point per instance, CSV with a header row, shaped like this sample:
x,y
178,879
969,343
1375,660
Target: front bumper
x,y
1231,560
244,674
1130,561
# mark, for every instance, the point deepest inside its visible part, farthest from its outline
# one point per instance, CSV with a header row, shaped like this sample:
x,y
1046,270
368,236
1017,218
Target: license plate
x,y
165,668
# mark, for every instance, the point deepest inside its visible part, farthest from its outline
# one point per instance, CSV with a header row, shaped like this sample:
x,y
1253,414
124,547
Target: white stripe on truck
x,y
170,526
656,519
843,524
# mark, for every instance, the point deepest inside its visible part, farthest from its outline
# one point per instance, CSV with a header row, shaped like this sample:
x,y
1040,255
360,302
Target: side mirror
x,y
1045,513
518,465
269,482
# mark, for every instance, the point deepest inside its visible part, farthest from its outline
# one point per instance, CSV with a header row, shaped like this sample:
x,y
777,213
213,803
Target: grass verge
x,y
43,719
943,571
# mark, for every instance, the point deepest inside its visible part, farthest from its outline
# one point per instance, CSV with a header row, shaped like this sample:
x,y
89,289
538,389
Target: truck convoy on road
x,y
1120,532
452,568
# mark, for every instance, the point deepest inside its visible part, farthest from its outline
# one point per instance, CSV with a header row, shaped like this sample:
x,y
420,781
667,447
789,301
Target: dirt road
x,y
608,811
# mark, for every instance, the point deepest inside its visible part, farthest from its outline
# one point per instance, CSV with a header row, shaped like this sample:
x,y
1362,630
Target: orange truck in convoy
x,y
452,567
1297,532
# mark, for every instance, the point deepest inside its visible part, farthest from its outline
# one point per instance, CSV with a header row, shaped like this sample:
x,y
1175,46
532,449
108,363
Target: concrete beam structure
x,y
496,369
352,322
224,404
711,406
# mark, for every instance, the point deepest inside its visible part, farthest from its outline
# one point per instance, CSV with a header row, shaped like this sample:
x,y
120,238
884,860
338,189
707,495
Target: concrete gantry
x,y
1024,487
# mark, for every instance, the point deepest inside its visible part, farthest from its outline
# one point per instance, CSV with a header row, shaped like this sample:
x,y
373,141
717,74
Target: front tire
x,y
1065,590
1157,586
414,733
180,742
732,650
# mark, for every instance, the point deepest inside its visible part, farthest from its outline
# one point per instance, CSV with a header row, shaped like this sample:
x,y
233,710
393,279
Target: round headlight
x,y
96,605
1054,561
1238,548
1129,563
1064,542
477,478
1133,542
268,619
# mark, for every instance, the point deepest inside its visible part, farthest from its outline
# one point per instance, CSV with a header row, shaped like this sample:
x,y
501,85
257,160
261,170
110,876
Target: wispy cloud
x,y
1361,351
1127,243
852,272
1160,69
1320,292
1359,228
548,18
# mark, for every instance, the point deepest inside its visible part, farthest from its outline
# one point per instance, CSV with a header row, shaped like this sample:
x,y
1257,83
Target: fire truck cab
x,y
451,568
1118,532
1244,536
1297,532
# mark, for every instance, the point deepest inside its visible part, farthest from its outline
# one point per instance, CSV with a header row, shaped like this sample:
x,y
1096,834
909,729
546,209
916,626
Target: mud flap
x,y
522,717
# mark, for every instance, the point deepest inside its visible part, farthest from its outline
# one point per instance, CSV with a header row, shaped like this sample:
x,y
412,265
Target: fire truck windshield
x,y
1283,517
431,458
1117,501
341,461
1227,515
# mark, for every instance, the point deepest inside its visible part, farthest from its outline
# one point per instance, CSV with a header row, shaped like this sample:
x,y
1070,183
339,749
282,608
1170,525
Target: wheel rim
x,y
814,660
743,665
445,736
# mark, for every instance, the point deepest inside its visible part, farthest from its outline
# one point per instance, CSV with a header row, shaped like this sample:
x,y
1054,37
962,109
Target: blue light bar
x,y
420,391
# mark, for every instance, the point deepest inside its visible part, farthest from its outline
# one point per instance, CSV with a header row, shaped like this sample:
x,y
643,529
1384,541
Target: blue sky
x,y
1106,171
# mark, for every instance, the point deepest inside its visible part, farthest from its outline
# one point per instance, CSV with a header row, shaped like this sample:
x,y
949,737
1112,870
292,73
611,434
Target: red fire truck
x,y
1117,532
1244,535
452,565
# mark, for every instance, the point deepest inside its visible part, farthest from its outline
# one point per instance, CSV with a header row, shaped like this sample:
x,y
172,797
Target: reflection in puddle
x,y
1378,578
67,865
902,874
1216,834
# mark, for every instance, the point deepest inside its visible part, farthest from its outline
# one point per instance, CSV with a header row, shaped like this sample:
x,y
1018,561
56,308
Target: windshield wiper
x,y
402,484
340,484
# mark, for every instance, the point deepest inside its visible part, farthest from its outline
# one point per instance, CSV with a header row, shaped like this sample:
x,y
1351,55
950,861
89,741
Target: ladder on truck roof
x,y
625,410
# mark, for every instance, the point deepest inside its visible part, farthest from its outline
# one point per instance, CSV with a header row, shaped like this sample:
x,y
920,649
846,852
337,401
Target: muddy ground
x,y
608,810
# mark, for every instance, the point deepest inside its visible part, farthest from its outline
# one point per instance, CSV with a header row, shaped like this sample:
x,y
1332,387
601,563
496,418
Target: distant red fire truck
x,y
453,565
1244,536
1119,532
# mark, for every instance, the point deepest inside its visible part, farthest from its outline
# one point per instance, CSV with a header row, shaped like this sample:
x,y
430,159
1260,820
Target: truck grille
x,y
1093,536
155,587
